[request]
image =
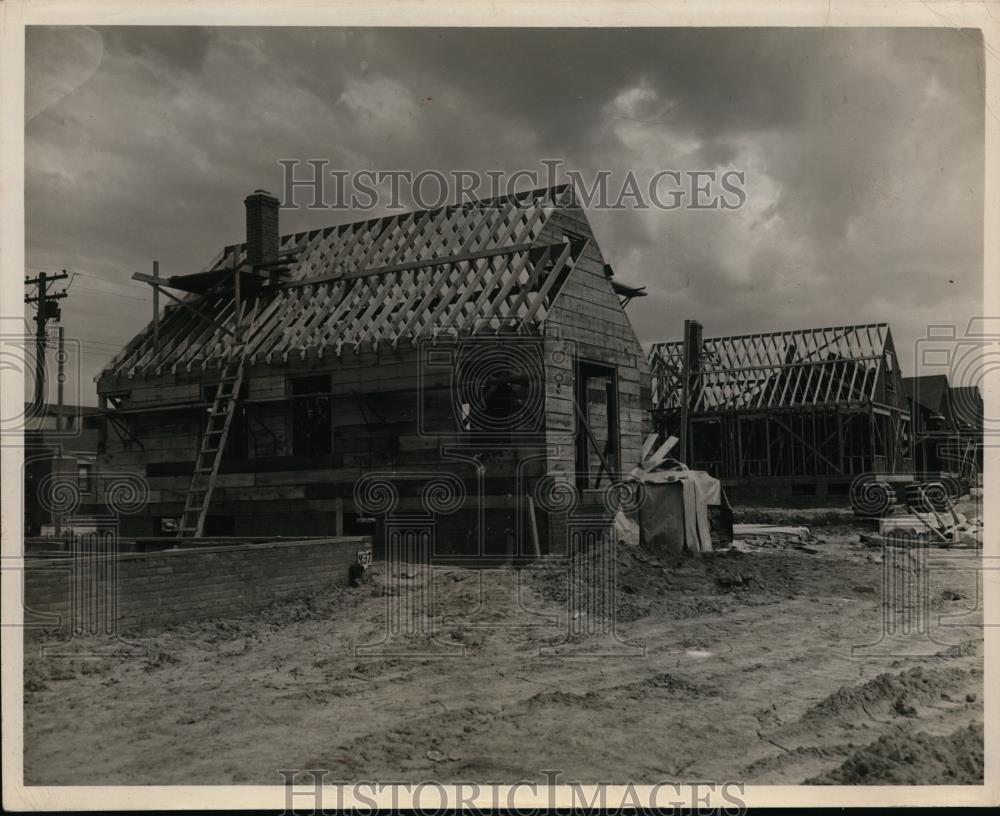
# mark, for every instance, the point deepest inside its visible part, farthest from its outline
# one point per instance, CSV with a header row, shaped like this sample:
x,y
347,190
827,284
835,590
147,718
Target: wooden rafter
x,y
460,269
810,368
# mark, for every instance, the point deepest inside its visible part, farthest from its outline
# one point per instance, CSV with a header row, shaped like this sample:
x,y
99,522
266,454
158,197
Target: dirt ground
x,y
743,666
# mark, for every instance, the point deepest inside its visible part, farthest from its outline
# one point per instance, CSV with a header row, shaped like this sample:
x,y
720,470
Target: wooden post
x,y
871,437
739,447
767,443
238,306
690,352
534,527
339,509
840,439
156,306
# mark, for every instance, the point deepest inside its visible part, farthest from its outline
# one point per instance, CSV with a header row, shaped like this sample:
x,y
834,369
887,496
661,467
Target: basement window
x,y
119,400
312,415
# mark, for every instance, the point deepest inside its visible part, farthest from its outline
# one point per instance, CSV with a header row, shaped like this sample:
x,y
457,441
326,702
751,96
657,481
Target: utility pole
x,y
48,310
60,378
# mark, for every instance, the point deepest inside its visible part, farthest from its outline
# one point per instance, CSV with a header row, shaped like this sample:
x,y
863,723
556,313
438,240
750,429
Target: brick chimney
x,y
262,227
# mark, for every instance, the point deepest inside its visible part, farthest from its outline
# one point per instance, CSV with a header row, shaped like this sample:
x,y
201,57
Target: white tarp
x,y
674,514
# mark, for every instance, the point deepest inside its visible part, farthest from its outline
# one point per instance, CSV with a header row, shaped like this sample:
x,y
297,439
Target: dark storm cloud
x,y
863,153
179,48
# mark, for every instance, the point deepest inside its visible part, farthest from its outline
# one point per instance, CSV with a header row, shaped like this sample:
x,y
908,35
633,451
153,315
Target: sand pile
x,y
888,694
913,759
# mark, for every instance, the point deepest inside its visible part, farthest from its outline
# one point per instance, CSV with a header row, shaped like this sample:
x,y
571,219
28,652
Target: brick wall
x,y
172,586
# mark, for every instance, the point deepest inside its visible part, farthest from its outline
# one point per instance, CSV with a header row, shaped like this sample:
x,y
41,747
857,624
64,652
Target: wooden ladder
x,y
213,443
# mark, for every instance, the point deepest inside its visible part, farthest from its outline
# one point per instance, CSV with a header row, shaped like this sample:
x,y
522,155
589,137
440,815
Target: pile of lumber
x,y
947,528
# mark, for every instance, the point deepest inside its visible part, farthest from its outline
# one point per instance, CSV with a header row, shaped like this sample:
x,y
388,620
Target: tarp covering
x,y
678,507
674,515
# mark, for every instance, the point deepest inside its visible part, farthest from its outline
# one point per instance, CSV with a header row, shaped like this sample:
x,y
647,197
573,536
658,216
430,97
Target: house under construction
x,y
785,413
469,370
947,427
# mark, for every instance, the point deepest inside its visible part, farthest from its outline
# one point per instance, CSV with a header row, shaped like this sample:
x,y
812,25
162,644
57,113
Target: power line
x,y
86,274
87,341
114,294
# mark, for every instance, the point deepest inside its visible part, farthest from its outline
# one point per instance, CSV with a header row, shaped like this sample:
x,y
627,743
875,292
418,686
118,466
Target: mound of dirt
x,y
659,684
678,586
913,759
963,649
803,753
888,694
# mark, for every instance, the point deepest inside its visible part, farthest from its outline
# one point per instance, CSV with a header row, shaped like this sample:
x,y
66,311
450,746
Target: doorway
x,y
597,436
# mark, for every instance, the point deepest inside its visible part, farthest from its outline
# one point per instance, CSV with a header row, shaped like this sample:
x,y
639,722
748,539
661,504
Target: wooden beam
x,y
804,442
534,527
593,441
155,283
156,306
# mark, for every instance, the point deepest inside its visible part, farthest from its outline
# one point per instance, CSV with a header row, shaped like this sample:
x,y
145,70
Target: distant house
x,y
947,426
60,458
303,383
787,413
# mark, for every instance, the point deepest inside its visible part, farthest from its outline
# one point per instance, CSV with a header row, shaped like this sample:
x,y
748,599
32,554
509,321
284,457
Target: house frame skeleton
x,y
825,404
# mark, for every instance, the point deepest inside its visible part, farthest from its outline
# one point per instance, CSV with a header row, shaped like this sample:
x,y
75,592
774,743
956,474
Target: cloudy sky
x,y
862,149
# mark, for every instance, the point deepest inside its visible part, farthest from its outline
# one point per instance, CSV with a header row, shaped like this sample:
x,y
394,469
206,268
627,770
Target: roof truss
x,y
462,269
806,368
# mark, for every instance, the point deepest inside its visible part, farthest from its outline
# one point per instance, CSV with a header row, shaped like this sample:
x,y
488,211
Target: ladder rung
x,y
223,404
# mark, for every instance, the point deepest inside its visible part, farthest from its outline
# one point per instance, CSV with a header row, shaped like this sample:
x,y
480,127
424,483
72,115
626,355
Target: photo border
x,y
16,14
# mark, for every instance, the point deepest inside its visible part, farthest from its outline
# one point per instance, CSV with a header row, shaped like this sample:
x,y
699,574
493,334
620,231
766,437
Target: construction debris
x,y
947,529
744,530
